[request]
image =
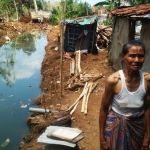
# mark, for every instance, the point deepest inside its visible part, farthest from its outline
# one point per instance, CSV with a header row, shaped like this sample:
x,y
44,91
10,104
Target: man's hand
x,y
146,143
103,145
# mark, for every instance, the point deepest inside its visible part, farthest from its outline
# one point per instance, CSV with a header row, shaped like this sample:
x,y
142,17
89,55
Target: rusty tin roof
x,y
142,10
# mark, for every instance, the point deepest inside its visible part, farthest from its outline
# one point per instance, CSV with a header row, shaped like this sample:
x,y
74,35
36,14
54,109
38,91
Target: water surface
x,y
20,77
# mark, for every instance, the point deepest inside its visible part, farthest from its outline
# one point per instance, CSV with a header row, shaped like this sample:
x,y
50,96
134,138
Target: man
x,y
126,126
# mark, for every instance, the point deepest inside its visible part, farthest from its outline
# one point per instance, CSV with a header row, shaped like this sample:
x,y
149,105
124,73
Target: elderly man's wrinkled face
x,y
134,59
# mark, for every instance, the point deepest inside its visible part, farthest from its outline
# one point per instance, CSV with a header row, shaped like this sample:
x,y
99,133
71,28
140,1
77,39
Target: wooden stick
x,y
61,59
72,111
86,101
84,97
76,60
77,98
72,66
79,61
94,86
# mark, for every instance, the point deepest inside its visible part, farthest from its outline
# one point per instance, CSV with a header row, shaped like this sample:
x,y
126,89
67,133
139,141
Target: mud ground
x,y
53,99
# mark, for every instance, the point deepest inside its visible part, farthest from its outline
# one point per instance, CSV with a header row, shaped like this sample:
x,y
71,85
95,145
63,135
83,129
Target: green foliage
x,y
8,10
108,21
113,4
56,16
102,3
39,4
73,9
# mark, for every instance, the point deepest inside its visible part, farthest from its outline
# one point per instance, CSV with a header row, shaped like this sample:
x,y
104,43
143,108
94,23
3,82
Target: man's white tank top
x,y
128,103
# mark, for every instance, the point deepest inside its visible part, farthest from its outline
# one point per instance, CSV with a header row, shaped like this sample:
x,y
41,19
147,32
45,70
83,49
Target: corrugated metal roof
x,y
142,10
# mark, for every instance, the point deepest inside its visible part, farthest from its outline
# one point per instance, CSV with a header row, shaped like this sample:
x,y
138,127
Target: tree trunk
x,y
35,6
16,10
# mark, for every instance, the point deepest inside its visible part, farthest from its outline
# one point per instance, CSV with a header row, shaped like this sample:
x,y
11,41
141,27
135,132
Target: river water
x,y
20,77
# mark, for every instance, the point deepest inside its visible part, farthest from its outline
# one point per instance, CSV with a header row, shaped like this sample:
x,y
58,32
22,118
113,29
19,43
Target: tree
x,y
73,10
35,6
16,9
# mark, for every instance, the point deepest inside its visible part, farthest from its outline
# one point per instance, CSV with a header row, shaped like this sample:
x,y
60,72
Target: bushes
x,y
108,21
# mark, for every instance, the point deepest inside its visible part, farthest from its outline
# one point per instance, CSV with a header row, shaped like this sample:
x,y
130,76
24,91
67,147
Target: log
x,y
102,29
74,77
72,68
100,76
76,85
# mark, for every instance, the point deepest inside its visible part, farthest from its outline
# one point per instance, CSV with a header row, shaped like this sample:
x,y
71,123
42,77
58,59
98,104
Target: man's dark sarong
x,y
125,133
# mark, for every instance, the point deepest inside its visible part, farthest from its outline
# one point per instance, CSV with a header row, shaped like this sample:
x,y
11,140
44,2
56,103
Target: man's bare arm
x,y
105,103
146,141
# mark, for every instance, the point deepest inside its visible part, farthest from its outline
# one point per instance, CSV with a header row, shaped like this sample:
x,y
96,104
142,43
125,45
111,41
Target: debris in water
x,y
2,99
5,143
30,85
23,105
10,95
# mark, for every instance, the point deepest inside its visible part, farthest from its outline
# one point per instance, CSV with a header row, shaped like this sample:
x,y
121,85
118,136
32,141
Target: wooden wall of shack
x,y
124,31
72,42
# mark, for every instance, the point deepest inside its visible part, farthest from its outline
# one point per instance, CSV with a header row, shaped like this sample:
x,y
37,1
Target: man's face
x,y
134,59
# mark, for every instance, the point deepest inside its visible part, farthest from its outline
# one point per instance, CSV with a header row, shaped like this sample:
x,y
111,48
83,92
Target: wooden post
x,y
61,59
62,43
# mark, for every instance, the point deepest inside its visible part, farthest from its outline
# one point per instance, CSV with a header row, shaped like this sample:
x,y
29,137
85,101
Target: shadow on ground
x,y
59,147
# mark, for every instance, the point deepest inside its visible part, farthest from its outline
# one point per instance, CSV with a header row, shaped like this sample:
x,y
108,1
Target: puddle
x,y
20,79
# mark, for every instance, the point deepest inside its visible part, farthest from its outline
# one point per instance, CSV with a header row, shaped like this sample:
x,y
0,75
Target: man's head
x,y
133,55
127,46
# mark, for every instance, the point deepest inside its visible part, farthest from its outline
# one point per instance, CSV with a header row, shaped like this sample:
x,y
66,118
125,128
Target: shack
x,y
125,23
80,34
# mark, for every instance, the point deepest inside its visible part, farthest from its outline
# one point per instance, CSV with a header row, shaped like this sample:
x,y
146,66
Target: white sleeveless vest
x,y
128,103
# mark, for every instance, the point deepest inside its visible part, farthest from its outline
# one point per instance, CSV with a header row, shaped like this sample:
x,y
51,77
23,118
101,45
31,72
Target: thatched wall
x,y
119,37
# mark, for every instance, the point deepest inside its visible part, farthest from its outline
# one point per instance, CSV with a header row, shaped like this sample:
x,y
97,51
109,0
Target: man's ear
x,y
121,55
